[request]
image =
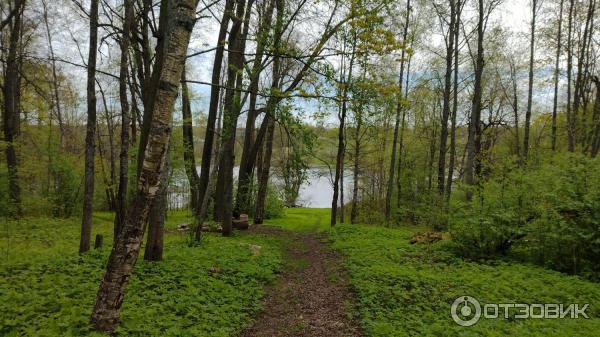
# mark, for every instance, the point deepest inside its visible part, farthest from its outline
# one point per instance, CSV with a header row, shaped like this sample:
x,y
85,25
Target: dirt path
x,y
311,297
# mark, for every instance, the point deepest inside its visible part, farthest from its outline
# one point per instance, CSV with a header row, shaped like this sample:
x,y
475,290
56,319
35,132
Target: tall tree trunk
x,y
401,142
596,120
556,75
125,121
474,140
175,35
570,120
581,77
446,106
158,215
189,156
247,161
264,165
55,86
355,173
454,105
88,194
232,106
12,108
515,106
341,142
399,111
213,108
534,5
263,178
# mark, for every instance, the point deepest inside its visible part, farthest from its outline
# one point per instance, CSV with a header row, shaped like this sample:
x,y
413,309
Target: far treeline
x,y
433,113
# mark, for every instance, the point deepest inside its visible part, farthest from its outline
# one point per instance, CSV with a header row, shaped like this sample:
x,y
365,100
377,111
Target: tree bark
x,y
452,158
88,193
446,105
247,161
189,156
570,121
399,109
474,140
530,88
12,108
125,121
158,215
556,76
341,142
55,85
401,142
175,35
357,138
596,120
213,108
263,179
237,45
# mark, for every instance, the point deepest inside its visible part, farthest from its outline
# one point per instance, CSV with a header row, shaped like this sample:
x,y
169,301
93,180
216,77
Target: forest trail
x,y
311,296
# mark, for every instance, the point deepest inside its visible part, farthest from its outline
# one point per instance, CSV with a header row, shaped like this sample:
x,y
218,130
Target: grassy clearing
x,y
47,289
407,290
304,219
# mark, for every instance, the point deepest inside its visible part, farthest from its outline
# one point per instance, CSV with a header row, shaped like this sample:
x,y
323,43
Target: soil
x,y
311,296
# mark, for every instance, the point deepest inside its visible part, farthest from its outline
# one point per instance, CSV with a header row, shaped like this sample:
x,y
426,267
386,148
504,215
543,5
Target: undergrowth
x,y
408,290
47,289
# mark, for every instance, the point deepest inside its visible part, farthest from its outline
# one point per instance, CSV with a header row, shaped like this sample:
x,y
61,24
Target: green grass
x,y
47,289
407,290
304,219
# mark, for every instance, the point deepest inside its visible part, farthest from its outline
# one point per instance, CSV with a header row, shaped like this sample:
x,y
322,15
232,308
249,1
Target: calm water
x,y
317,192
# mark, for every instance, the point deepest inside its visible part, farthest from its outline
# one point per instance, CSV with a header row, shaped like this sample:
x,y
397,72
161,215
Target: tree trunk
x,y
247,161
354,210
189,156
515,106
596,120
232,106
570,121
263,178
556,76
125,121
401,145
12,108
175,36
581,77
56,98
474,140
399,109
88,193
452,159
158,215
341,142
530,88
213,108
446,107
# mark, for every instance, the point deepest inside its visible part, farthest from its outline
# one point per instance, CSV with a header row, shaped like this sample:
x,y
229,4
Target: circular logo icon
x,y
466,311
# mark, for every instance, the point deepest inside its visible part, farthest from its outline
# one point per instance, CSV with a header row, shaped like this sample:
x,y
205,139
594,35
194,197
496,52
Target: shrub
x,y
548,213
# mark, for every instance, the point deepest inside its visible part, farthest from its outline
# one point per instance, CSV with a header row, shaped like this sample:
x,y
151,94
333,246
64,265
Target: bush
x,y
548,213
274,205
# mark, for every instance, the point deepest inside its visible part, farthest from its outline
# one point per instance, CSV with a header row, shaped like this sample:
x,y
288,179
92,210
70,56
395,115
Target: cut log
x,y
241,223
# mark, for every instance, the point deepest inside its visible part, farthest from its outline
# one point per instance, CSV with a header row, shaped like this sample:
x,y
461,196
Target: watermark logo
x,y
467,311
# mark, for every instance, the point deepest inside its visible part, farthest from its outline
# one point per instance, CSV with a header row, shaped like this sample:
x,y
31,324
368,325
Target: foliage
x,y
47,289
407,290
547,213
274,206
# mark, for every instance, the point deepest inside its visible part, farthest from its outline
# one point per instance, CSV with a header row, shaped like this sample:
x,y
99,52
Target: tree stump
x,y
99,241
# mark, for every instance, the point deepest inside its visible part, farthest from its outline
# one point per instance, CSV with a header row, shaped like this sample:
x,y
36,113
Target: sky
x,y
514,14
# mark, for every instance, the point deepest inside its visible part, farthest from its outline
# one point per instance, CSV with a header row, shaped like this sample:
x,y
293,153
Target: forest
x,y
300,168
